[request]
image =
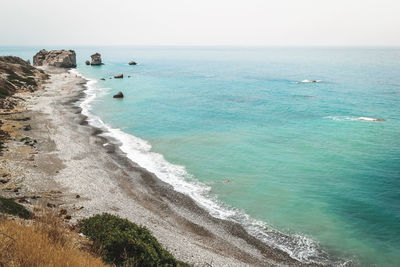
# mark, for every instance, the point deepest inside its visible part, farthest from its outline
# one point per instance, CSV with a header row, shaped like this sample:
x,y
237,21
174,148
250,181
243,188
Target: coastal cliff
x,y
17,75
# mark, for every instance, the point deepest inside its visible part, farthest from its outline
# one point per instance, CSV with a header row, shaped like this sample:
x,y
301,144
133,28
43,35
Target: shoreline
x,y
72,159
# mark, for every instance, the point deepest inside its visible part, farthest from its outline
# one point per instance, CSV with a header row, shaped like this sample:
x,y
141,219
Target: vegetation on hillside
x,y
45,241
124,243
8,206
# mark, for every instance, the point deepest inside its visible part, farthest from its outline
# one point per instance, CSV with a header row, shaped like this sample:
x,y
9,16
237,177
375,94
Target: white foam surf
x,y
139,151
310,81
350,118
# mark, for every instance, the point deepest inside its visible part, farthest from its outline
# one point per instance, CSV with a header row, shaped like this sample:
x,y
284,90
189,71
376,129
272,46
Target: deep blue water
x,y
304,158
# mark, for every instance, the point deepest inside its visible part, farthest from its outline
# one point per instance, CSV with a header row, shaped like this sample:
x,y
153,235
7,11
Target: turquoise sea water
x,y
304,158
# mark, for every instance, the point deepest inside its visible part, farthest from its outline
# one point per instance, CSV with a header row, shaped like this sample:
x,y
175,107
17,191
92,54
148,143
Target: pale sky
x,y
200,22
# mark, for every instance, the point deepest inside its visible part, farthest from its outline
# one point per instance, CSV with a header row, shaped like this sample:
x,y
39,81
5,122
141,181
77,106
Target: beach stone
x,y
4,180
63,212
55,58
132,63
119,95
87,62
23,200
96,60
119,76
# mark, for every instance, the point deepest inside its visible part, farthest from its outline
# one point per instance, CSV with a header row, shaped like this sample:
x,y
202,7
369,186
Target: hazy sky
x,y
200,22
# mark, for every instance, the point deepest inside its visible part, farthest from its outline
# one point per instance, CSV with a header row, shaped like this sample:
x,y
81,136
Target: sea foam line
x,y
139,151
349,118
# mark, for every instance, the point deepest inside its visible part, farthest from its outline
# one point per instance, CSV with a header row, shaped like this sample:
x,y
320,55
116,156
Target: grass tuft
x,y
23,245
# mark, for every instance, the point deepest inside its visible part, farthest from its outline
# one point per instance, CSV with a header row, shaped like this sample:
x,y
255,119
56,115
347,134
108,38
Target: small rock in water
x,y
102,79
119,95
87,62
132,63
119,76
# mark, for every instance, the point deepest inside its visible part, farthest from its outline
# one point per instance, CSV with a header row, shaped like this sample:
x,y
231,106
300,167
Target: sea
x,y
300,145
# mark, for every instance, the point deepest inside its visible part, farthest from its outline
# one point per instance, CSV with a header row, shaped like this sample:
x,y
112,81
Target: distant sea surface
x,y
249,135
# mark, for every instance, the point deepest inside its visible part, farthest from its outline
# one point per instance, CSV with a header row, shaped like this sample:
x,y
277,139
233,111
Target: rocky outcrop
x,y
55,58
119,76
96,60
119,95
132,63
17,75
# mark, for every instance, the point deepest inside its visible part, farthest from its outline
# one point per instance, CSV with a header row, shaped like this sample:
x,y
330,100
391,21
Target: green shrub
x,y
125,243
10,207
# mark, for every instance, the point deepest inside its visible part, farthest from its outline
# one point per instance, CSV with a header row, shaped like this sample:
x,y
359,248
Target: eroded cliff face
x,y
55,58
17,75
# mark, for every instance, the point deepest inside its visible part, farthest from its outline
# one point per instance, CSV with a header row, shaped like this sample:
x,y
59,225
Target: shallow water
x,y
305,158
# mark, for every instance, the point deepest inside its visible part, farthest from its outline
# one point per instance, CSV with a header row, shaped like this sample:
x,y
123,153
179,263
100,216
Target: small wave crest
x,y
139,151
310,81
349,118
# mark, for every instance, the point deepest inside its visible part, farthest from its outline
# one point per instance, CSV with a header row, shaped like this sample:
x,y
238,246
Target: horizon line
x,y
191,45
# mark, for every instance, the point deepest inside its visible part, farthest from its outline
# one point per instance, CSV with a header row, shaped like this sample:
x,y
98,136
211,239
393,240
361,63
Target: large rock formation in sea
x,y
96,59
55,58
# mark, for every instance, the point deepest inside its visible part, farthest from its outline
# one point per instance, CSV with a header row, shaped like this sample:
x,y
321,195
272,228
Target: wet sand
x,y
71,158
